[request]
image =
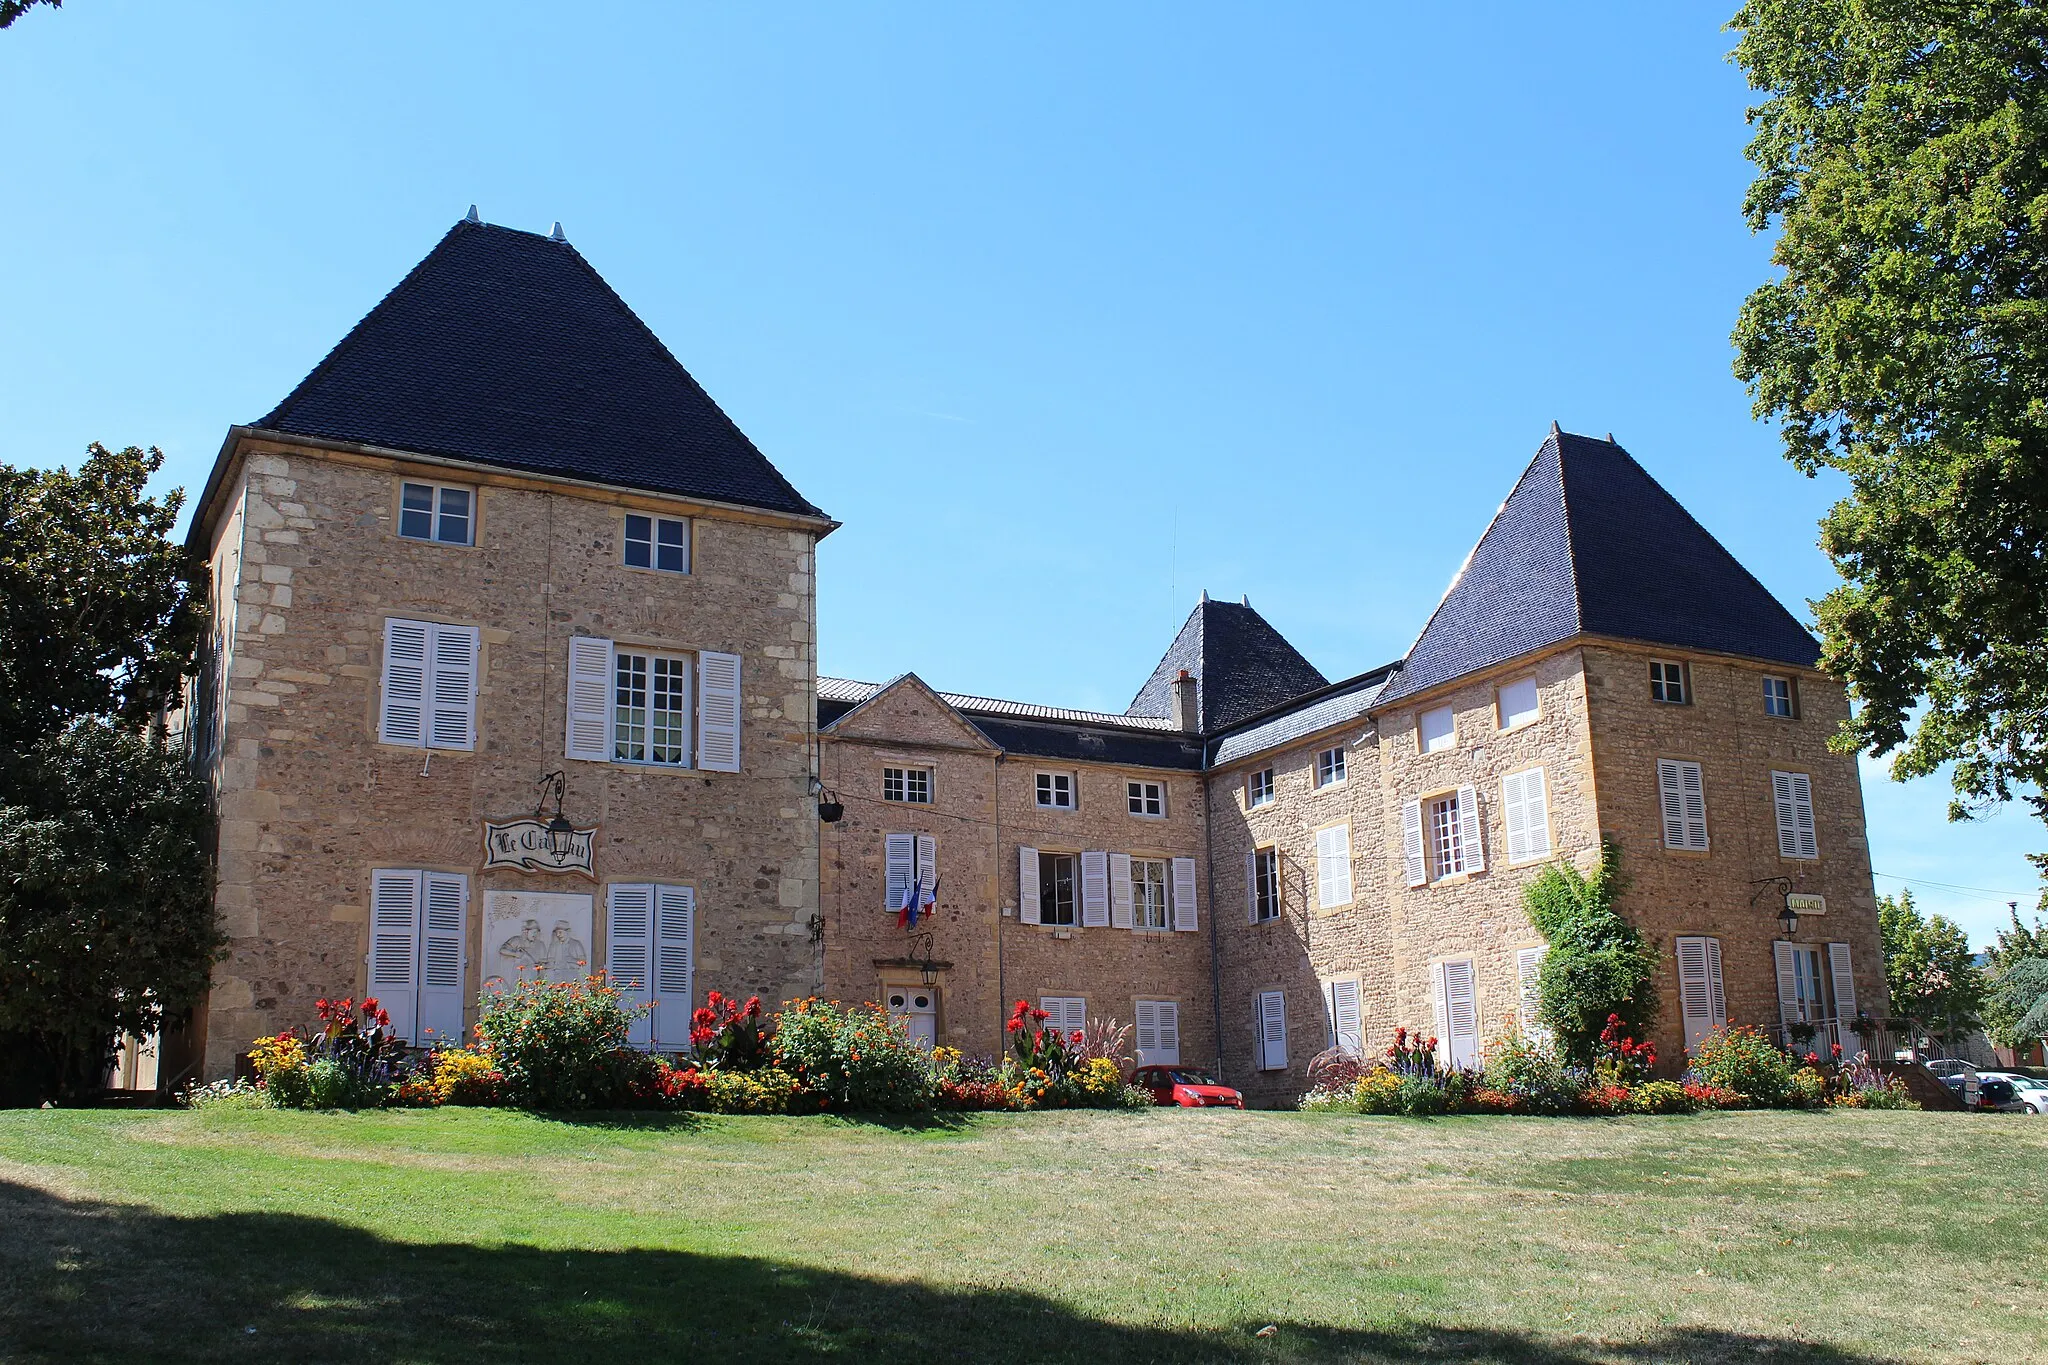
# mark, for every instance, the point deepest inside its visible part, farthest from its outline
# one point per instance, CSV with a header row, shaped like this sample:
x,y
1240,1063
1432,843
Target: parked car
x,y
2030,1092
1994,1093
1946,1067
1187,1087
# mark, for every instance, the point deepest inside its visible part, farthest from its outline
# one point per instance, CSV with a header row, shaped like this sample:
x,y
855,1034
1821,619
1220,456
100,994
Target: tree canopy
x,y
1929,970
1598,963
1901,149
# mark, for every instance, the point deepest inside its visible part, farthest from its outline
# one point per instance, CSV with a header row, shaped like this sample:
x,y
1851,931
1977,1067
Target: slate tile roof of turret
x,y
1242,667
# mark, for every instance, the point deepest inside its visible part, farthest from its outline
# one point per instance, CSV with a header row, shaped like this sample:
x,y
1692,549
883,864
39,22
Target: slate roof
x,y
1043,731
1589,543
507,348
1344,702
1242,666
852,692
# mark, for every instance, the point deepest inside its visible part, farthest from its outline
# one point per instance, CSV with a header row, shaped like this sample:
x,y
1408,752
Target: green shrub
x,y
1421,1096
332,1084
1741,1059
560,1044
1598,965
1532,1073
853,1057
1661,1097
767,1091
1809,1088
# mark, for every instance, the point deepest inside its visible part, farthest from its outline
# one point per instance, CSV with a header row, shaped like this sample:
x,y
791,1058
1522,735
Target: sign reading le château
x,y
525,844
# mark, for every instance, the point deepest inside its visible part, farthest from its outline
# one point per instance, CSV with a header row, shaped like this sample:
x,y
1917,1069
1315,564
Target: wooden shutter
x,y
1715,998
1272,1022
1695,992
718,711
899,865
1528,989
928,866
1095,890
444,932
402,717
675,963
1251,887
1333,866
1145,1030
1513,817
1671,800
590,693
1793,794
1471,832
1536,812
1065,1014
629,953
1438,997
1845,999
1182,872
394,947
1027,885
1411,844
1120,895
1167,1015
1682,795
451,688
1788,983
1347,1015
1461,1007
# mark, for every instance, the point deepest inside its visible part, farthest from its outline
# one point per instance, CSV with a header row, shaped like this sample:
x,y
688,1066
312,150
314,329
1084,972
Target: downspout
x,y
1215,915
996,795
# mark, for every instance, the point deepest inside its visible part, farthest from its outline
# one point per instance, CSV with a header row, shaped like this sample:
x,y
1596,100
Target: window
x,y
1803,993
1066,1014
419,924
1158,1032
1347,1013
1799,982
1681,792
909,862
1330,767
1446,837
1056,791
650,708
1526,811
1456,997
1793,795
1263,884
1780,699
1056,888
1441,837
913,785
1516,704
1437,731
650,957
658,543
1669,682
431,511
1258,789
1149,908
1147,799
429,694
1333,867
1269,1019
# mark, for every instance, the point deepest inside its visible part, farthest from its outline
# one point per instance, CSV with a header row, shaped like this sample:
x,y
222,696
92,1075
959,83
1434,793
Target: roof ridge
x,y
1571,543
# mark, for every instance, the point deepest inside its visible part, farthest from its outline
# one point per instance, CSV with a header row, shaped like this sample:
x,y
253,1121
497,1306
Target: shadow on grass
x,y
88,1281
671,1121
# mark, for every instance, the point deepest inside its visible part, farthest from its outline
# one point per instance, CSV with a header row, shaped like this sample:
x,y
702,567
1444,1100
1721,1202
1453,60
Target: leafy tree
x,y
1930,971
2017,942
2016,1005
1902,151
1598,963
106,904
10,10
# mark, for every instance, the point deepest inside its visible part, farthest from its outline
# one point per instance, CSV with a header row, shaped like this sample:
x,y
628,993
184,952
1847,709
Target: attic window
x,y
1670,683
428,511
658,543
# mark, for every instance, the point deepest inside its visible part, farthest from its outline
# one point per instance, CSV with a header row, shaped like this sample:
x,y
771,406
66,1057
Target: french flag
x,y
917,902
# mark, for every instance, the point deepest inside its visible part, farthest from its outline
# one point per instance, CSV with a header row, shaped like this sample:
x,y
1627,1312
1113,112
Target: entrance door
x,y
918,1008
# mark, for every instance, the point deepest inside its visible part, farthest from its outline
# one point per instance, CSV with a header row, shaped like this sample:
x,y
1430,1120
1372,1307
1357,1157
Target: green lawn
x,y
1166,1235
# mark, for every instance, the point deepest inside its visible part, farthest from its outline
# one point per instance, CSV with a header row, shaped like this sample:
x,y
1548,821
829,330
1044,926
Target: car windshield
x,y
1182,1076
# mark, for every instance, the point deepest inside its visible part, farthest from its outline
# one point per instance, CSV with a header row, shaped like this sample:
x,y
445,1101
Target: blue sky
x,y
1067,311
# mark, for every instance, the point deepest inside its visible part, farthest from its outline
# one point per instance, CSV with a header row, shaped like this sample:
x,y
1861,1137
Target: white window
x,y
1149,907
432,511
1330,767
1529,997
1158,1032
911,785
1780,698
1347,1013
1442,836
1793,795
1456,998
650,957
1262,884
1670,682
1701,1003
1802,993
1056,791
1147,799
657,543
1333,866
1065,1014
1516,704
1056,876
1525,806
419,928
909,861
1258,789
1682,794
1437,731
629,705
429,696
1269,1018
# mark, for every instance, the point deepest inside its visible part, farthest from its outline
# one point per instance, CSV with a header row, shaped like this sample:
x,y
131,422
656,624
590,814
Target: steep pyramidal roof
x,y
1242,666
1589,543
507,348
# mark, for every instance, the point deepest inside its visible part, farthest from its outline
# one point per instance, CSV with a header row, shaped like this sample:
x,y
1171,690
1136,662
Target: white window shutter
x,y
1671,799
1347,1015
1471,832
1793,794
718,711
1333,866
1845,998
1438,995
629,952
1095,890
1802,805
1695,992
1528,988
1682,795
1788,983
1461,1007
451,688
1185,919
927,865
402,715
1251,888
590,696
1411,844
1145,1029
1272,1023
675,963
444,932
1536,813
1715,997
899,854
1167,1015
1120,894
394,947
1695,806
1514,816
1027,885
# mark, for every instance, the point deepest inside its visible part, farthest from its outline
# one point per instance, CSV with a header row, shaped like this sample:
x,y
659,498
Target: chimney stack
x,y
1186,706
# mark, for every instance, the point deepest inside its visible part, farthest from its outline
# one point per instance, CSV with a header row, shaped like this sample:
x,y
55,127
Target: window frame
x,y
1258,789
1791,697
905,784
654,542
1450,735
1268,898
1661,680
1442,806
1139,898
1043,781
1140,792
1500,710
1049,861
436,512
1333,769
688,727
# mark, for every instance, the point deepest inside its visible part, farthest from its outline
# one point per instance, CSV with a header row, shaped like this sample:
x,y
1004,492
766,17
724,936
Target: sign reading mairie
x,y
1801,904
526,844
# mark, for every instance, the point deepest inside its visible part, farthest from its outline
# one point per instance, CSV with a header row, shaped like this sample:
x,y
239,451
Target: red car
x,y
1185,1086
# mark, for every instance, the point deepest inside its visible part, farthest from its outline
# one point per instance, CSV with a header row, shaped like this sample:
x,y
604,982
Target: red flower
x,y
1835,1051
369,1004
1039,1016
1400,1035
1430,1045
1077,1036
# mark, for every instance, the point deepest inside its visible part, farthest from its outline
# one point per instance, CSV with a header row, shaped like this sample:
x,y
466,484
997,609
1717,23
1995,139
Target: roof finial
x,y
471,217
1244,599
556,235
1555,430
1205,594
1610,438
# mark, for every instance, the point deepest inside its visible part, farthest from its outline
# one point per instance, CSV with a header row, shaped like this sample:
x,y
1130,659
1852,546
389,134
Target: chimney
x,y
1186,707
